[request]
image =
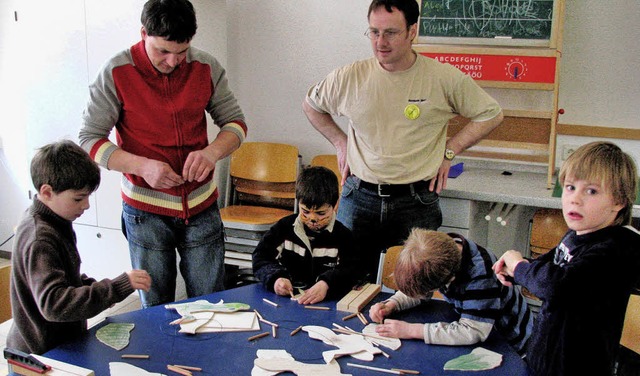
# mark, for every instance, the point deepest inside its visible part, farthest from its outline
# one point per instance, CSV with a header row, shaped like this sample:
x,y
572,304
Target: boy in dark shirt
x,y
50,299
310,250
585,282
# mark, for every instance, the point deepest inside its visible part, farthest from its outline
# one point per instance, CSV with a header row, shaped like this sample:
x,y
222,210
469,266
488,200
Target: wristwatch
x,y
449,154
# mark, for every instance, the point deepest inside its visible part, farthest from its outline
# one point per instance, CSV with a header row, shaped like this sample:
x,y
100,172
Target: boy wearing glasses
x,y
461,271
394,156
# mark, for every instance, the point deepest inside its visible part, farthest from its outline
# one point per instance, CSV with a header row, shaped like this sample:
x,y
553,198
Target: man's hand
x,y
159,175
439,182
198,166
315,294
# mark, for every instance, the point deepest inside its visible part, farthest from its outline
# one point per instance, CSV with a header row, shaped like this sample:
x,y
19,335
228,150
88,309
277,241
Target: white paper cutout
x,y
348,344
126,369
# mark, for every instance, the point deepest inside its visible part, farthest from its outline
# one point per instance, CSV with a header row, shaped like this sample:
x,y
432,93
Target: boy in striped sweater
x,y
461,271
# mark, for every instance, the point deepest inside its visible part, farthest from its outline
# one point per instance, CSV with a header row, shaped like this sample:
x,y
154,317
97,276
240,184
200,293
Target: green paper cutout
x,y
479,359
115,335
204,306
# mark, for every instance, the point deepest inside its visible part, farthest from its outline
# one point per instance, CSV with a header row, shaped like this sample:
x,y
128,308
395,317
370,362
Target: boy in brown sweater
x,y
50,299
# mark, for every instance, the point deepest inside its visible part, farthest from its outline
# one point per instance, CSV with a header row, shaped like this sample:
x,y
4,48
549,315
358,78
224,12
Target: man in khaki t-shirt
x,y
395,156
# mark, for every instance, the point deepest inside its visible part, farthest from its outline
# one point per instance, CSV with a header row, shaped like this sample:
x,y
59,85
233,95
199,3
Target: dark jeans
x,y
378,222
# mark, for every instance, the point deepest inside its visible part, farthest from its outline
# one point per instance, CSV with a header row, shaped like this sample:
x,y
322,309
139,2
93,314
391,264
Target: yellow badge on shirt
x,y
412,112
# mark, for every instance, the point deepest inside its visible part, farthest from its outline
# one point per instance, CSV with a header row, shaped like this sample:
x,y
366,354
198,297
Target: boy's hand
x,y
139,279
400,329
381,310
283,286
506,266
315,294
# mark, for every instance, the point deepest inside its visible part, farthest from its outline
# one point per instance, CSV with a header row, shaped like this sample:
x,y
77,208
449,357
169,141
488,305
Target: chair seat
x,y
252,215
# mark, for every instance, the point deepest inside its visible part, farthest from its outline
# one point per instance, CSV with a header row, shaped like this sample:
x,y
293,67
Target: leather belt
x,y
389,190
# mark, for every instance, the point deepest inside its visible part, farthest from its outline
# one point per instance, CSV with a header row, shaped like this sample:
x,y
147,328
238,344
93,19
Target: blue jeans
x,y
153,240
378,222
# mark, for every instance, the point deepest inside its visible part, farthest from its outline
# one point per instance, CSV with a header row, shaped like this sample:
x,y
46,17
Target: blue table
x,y
232,354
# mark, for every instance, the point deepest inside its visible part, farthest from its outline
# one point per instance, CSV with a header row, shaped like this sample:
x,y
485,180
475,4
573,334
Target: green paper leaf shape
x,y
115,335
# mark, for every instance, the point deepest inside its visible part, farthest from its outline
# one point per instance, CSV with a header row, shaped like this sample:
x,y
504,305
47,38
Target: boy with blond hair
x,y
461,271
585,282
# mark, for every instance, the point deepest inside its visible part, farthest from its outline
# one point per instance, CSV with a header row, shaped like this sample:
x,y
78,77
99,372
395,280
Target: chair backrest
x,y
388,266
263,174
329,161
5,300
265,162
631,329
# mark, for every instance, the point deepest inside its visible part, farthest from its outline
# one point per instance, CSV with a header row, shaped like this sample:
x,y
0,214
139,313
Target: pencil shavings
x,y
479,359
115,335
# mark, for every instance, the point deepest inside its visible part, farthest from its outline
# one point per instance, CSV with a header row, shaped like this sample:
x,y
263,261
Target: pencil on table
x,y
320,308
407,371
269,302
135,356
296,330
188,368
347,317
258,336
179,370
268,323
375,369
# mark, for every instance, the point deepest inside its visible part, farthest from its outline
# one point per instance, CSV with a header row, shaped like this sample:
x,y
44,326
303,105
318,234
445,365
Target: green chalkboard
x,y
484,19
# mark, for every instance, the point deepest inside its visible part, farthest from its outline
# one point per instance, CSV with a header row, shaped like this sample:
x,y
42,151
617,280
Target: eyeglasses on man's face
x,y
388,35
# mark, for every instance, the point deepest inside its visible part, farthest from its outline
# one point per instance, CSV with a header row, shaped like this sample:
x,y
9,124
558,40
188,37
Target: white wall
x,y
47,59
277,49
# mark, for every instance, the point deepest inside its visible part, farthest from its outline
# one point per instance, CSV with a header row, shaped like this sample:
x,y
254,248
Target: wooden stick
x,y
135,356
269,302
269,323
179,370
189,368
291,293
320,308
347,317
296,330
258,336
375,369
273,331
407,371
258,314
358,333
339,326
362,319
